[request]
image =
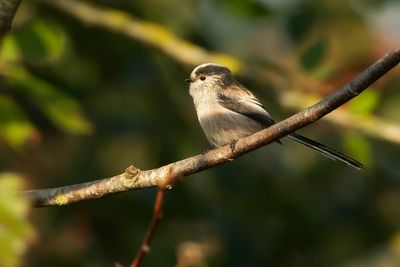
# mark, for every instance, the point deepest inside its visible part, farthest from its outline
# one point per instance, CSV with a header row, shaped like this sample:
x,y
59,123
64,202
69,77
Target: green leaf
x,y
359,148
15,128
61,109
15,231
301,21
38,42
313,56
9,49
247,8
365,103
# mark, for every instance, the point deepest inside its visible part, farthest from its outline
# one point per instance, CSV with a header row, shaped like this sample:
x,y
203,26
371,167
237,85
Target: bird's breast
x,y
223,126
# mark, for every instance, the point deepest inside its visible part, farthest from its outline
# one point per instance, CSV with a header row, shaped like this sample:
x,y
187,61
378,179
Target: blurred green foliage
x,y
15,232
38,43
79,103
358,146
15,128
59,108
313,56
247,8
366,103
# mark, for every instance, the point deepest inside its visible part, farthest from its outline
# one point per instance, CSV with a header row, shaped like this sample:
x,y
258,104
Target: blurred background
x,y
89,88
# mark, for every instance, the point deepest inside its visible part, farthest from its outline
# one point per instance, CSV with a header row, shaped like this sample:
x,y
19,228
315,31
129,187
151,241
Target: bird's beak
x,y
189,80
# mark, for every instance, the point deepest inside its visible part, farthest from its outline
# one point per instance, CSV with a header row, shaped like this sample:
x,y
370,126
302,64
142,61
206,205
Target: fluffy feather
x,y
228,111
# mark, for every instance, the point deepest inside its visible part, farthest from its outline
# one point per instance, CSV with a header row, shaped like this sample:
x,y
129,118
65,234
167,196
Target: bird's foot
x,y
232,145
206,151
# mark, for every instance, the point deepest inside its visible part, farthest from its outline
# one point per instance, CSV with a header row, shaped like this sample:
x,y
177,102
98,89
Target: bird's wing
x,y
240,100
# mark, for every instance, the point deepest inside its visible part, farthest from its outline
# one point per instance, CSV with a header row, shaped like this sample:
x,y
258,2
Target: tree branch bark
x,y
133,178
8,8
157,216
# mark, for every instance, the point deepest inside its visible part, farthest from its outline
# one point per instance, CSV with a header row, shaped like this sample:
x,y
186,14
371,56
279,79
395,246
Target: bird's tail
x,y
326,151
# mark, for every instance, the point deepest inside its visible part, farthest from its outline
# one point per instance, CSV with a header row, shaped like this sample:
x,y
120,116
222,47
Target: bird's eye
x,y
202,77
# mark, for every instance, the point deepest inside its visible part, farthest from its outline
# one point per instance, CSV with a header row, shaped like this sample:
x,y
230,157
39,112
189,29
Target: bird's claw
x,y
233,146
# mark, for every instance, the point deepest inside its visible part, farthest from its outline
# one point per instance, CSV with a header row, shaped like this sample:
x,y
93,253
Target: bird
x,y
228,111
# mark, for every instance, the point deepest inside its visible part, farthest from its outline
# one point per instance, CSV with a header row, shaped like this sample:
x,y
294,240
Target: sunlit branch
x,y
133,178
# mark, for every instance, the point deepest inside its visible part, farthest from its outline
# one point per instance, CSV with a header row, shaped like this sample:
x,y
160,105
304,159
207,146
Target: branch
x,y
187,53
157,215
8,8
133,178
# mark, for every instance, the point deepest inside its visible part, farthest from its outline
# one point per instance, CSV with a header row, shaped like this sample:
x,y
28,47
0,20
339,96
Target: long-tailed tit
x,y
228,111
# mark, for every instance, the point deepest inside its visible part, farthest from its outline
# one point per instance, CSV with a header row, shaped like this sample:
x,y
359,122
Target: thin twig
x,y
8,8
135,179
157,216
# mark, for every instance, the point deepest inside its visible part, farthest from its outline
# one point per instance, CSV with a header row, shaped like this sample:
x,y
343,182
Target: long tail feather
x,y
326,151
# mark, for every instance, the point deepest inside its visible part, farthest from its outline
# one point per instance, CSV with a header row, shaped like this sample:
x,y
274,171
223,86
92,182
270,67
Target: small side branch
x,y
141,179
157,216
8,8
